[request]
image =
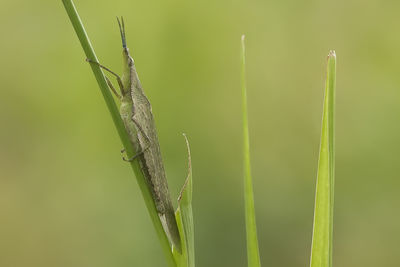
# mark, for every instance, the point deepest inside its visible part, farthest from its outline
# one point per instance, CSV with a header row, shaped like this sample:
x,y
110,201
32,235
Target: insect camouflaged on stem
x,y
136,113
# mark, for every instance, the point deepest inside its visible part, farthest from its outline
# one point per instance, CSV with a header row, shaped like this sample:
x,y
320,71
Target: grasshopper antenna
x,y
122,31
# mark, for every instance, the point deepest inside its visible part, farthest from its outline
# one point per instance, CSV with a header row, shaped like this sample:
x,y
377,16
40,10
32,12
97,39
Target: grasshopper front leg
x,y
119,80
112,88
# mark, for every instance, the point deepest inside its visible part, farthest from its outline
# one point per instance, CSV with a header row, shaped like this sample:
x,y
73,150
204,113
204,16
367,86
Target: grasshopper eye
x,y
131,62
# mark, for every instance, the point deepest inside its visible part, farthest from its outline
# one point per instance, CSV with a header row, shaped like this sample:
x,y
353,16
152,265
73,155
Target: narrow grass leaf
x,y
253,257
321,252
184,219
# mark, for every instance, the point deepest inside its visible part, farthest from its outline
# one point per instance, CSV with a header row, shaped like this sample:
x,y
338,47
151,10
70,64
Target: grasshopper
x,y
136,113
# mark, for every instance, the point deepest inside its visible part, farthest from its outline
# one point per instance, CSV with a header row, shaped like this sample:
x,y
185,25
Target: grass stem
x,y
112,108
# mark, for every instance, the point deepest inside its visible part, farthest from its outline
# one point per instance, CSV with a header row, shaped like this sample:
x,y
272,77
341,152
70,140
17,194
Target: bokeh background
x,y
67,198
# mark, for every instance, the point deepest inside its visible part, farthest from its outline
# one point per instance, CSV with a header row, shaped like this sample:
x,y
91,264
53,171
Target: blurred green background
x,y
67,198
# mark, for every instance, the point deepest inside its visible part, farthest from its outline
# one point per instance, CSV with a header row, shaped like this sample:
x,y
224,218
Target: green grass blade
x,y
184,219
89,52
321,252
253,257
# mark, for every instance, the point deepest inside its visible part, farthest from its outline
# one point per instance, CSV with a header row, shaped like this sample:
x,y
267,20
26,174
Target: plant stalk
x,y
119,125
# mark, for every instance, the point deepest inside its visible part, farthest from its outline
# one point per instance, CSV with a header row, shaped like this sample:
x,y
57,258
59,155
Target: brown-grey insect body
x,y
136,113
